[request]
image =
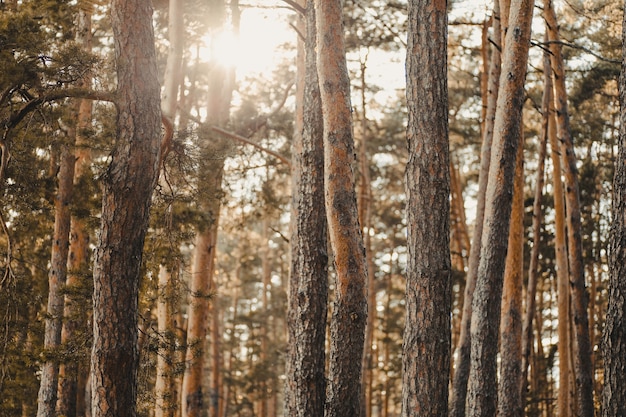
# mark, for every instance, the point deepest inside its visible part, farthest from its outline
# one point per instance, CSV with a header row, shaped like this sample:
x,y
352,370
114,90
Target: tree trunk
x,y
365,214
308,279
510,385
426,344
47,398
128,185
164,388
350,309
462,368
486,304
614,337
533,268
78,253
582,347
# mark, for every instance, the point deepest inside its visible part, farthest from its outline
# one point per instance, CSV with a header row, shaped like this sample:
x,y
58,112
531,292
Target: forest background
x,y
216,343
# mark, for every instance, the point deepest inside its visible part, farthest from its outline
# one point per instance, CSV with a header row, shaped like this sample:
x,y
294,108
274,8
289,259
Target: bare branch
x,y
296,6
241,139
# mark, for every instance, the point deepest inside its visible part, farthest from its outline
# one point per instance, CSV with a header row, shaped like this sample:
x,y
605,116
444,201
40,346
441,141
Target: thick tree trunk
x,y
482,392
305,388
462,368
510,381
582,347
426,344
614,338
350,309
128,186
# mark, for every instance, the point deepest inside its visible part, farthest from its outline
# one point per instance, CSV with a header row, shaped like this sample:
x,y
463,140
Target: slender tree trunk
x,y
482,392
614,337
533,268
350,308
47,398
305,388
365,211
128,186
426,344
462,368
165,391
582,354
510,381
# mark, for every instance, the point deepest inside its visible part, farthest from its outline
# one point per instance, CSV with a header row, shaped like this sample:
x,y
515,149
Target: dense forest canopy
x,y
218,199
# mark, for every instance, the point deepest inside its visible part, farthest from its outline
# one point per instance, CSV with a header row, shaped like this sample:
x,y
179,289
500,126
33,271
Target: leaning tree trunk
x,y
426,341
305,388
482,391
582,346
350,310
462,367
614,338
128,185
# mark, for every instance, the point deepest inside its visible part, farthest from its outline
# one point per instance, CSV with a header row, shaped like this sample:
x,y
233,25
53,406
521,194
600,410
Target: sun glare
x,y
256,49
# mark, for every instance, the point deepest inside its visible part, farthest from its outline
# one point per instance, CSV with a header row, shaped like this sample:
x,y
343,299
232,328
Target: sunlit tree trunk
x,y
482,390
426,340
462,364
305,387
510,381
614,337
127,190
210,174
533,268
165,390
582,347
350,308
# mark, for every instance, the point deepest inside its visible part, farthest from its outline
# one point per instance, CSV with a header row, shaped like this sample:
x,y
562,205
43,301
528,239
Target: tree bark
x,y
128,185
582,347
308,278
614,337
462,368
426,344
350,309
510,381
482,392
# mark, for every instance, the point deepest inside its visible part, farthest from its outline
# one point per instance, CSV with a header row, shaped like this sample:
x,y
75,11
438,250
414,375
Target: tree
x,y
350,309
462,368
510,381
305,388
482,392
426,344
613,347
127,191
579,296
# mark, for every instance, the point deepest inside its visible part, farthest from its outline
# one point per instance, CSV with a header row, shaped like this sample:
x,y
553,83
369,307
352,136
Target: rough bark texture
x,y
510,382
614,338
128,185
485,324
308,281
350,309
461,374
533,270
582,345
426,343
